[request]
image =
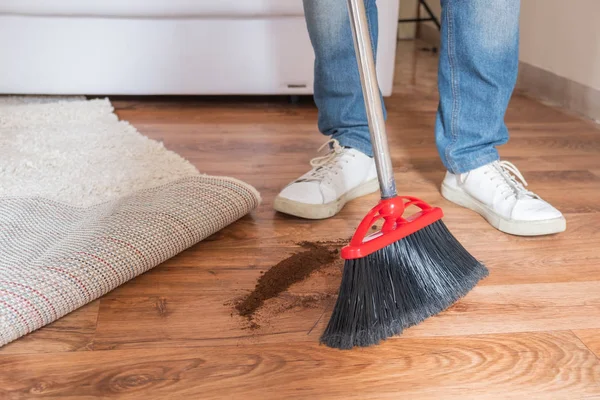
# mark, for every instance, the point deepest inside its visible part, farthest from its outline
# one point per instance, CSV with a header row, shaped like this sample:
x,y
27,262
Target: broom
x,y
413,267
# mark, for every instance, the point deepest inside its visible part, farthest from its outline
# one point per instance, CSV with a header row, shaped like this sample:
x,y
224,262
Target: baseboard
x,y
162,56
559,91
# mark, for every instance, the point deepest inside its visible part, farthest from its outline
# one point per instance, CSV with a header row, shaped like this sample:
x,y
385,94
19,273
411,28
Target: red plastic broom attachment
x,y
395,225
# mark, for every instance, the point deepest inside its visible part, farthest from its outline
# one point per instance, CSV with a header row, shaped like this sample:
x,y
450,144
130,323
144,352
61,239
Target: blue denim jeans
x,y
477,73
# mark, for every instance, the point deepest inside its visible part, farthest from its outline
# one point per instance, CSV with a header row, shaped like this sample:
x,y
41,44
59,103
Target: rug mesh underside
x,y
56,258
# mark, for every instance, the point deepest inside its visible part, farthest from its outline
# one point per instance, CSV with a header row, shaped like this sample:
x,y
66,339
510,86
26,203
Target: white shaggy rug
x,y
78,152
87,203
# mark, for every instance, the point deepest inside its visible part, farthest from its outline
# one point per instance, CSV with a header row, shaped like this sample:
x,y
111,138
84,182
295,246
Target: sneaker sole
x,y
519,228
322,211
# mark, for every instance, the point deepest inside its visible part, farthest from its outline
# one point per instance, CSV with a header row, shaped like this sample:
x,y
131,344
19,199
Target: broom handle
x,y
372,97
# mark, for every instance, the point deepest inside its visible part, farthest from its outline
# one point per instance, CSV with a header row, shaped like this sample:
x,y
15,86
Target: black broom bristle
x,y
400,286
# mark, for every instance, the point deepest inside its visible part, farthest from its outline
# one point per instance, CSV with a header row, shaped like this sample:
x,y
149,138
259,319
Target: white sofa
x,y
166,47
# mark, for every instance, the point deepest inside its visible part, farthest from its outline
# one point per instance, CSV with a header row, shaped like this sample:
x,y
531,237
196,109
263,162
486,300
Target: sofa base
x,y
141,56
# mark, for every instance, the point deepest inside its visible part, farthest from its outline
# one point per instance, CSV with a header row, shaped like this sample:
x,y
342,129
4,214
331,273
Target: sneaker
x,y
336,178
496,191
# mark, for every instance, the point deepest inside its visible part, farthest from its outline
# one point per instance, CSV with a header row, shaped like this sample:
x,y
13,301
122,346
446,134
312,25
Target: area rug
x,y
88,203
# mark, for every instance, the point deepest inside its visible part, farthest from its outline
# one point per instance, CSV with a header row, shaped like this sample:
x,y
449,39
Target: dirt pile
x,y
295,268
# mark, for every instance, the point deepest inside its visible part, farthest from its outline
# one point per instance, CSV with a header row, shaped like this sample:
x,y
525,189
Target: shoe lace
x,y
509,180
325,166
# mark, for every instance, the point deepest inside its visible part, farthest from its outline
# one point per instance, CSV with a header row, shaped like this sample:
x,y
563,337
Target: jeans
x,y
477,74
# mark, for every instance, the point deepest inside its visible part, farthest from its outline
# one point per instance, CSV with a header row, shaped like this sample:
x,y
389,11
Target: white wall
x,y
563,37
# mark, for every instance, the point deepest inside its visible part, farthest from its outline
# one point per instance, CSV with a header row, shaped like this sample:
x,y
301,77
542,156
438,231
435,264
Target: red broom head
x,y
395,225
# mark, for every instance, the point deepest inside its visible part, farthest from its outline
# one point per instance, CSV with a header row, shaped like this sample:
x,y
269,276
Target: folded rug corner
x,y
87,203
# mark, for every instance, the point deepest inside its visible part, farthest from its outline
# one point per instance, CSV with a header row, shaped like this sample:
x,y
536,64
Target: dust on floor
x,y
305,279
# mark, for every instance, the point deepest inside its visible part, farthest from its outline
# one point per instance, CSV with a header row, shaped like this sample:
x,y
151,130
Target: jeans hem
x,y
464,167
360,145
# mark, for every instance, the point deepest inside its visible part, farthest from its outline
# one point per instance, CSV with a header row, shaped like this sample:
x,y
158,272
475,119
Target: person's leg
x,y
348,170
477,73
337,89
479,58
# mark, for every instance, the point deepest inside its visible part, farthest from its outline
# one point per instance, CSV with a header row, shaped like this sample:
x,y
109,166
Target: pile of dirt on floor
x,y
303,271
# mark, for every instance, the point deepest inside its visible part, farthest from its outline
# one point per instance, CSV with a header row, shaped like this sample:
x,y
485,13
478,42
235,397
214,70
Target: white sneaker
x,y
494,192
336,178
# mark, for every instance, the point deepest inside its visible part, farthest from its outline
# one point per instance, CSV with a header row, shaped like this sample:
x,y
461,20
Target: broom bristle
x,y
400,286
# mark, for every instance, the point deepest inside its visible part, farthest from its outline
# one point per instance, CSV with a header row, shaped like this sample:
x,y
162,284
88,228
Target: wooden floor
x,y
530,330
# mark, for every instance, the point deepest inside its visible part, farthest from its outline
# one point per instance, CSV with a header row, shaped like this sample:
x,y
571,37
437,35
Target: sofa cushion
x,y
154,8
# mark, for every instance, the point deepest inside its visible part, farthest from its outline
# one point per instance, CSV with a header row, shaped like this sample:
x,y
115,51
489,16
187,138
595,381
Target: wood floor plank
x,y
74,332
514,260
201,320
541,365
558,163
518,308
170,321
591,338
